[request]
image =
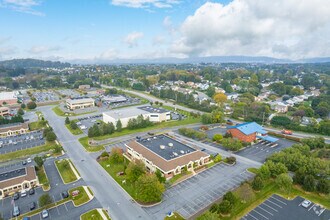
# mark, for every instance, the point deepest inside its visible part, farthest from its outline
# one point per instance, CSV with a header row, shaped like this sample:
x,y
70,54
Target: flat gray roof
x,y
77,101
166,147
151,109
12,174
125,113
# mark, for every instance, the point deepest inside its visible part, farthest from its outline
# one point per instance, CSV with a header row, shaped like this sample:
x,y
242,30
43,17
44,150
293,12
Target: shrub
x,y
231,160
224,207
217,137
309,183
44,200
31,105
105,154
257,183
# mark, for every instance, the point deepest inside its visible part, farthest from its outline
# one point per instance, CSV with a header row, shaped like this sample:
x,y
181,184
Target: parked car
x,y
32,205
24,162
16,196
23,193
16,211
151,134
44,213
306,203
29,160
65,194
31,191
229,122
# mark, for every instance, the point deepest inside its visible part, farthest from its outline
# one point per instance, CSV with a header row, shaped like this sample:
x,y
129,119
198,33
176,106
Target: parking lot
x,y
56,188
47,96
69,93
85,123
278,208
199,191
111,105
259,152
24,141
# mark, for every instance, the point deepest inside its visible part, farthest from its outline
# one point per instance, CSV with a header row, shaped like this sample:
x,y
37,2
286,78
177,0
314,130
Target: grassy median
x,y
76,131
81,198
89,148
64,168
94,214
48,147
43,180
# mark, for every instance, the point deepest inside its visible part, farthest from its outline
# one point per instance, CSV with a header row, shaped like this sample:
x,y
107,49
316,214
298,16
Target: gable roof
x,y
249,128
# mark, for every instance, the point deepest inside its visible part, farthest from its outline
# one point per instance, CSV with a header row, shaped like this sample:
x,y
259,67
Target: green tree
x,y
119,125
134,170
23,106
284,182
276,168
229,196
264,172
257,183
31,105
20,111
323,186
280,121
67,120
160,177
45,199
73,125
116,155
206,118
51,136
225,207
39,161
149,189
217,158
309,183
217,138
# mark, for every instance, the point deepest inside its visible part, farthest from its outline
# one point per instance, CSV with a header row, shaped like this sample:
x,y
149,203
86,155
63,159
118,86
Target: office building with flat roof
x,y
125,114
166,154
8,98
80,103
13,129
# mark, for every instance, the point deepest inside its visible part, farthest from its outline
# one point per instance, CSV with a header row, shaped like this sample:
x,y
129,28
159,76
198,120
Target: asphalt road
x,y
111,196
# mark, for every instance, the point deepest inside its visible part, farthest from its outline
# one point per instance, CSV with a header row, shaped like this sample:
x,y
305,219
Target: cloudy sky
x,y
121,29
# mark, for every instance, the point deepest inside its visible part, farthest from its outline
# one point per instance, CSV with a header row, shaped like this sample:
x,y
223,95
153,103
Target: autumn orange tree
x,y
220,98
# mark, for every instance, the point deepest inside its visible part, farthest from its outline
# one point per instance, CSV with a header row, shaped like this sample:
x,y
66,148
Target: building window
x,y
153,116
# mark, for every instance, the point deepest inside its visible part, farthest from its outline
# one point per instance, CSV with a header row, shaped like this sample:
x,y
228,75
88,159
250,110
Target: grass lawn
x,y
74,131
156,126
175,178
59,112
93,214
175,216
37,125
253,170
81,198
65,171
41,173
27,152
89,148
113,169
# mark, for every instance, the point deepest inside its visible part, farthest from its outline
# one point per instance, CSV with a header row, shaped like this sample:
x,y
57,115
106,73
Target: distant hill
x,y
32,63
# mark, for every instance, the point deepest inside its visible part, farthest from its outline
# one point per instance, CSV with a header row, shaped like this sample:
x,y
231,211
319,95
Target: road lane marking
x,y
260,213
265,210
269,207
253,216
278,200
311,207
274,203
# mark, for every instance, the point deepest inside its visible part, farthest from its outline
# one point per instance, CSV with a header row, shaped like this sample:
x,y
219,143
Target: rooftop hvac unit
x,y
170,144
162,147
175,153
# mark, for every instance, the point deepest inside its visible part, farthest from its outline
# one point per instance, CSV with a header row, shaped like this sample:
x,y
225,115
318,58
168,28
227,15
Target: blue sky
x,y
114,29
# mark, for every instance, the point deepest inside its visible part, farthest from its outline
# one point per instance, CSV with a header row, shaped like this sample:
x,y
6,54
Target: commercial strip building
x,y
17,180
114,99
164,153
4,111
8,98
249,132
125,114
13,129
81,103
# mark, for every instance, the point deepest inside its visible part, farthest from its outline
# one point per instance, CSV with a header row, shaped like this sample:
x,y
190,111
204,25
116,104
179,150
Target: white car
x,y
29,160
83,127
23,193
44,213
306,203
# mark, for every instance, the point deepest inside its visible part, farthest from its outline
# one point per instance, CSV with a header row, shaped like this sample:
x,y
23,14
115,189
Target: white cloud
x,y
145,3
132,39
24,6
43,49
109,54
281,28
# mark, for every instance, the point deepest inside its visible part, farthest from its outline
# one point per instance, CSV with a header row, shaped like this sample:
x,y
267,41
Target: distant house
x,y
249,132
279,107
200,97
84,87
305,121
232,96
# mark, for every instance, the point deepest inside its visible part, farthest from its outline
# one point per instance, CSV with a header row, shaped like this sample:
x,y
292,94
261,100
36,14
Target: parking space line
x,y
269,207
253,216
278,200
274,203
265,210
311,207
66,207
259,213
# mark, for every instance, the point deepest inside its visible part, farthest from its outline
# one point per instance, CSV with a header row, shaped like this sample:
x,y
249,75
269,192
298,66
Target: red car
x,y
286,132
